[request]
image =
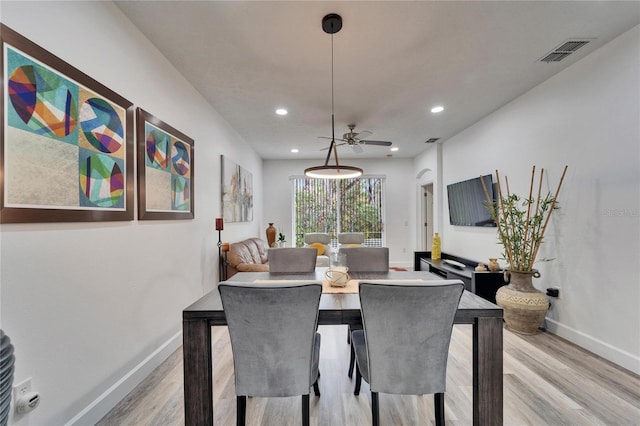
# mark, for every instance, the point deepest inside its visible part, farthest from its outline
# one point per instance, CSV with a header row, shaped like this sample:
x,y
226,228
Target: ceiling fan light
x,y
333,172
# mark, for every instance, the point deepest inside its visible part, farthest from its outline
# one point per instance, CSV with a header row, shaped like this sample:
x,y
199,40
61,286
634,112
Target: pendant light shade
x,y
333,172
331,24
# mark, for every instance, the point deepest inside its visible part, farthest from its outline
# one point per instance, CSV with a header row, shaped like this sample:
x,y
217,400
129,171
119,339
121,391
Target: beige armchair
x,y
320,241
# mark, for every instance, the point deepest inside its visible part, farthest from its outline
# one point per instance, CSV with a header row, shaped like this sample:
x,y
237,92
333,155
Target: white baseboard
x,y
616,355
105,402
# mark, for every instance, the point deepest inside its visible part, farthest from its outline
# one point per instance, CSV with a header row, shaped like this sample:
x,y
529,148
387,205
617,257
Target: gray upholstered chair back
x,y
407,331
366,259
292,259
273,336
351,237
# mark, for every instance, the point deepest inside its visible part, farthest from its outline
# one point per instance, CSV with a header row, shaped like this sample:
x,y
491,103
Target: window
x,y
334,206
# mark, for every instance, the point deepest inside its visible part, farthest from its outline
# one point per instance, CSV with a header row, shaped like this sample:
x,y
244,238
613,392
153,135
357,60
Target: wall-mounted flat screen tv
x,y
467,202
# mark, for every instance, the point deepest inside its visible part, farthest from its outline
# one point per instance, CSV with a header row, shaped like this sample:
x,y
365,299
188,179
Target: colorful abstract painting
x,y
237,192
165,170
66,146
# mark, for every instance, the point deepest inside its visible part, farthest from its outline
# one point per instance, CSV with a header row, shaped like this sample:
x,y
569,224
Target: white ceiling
x,y
393,61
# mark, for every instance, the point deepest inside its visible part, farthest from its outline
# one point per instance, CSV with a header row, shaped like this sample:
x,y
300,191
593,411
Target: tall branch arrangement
x,y
522,222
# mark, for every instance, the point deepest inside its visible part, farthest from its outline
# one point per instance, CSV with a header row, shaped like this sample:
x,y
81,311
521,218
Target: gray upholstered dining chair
x,y
366,259
292,259
404,345
275,345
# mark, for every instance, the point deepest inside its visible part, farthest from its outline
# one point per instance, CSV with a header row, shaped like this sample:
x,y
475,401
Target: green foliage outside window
x,y
333,206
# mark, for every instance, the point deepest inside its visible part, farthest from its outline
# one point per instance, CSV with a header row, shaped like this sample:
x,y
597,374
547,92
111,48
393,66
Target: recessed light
x,y
282,111
394,149
437,109
294,150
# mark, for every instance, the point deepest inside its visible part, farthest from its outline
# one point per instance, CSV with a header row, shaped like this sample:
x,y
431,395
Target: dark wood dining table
x,y
337,309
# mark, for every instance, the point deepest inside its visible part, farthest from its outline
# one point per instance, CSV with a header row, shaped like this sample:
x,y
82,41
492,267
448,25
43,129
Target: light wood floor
x,y
547,381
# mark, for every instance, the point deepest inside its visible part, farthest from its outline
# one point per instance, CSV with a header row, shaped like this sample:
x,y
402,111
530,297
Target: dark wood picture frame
x,y
50,64
145,209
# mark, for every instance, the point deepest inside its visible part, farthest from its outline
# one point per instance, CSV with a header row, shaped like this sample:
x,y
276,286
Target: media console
x,y
484,284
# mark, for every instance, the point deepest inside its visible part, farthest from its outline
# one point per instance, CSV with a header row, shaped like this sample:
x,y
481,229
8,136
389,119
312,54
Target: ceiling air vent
x,y
564,50
432,140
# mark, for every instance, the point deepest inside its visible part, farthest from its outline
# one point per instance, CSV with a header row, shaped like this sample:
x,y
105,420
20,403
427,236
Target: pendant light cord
x,y
332,147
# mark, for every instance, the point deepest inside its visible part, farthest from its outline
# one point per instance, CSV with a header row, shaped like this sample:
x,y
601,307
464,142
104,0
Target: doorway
x,y
427,215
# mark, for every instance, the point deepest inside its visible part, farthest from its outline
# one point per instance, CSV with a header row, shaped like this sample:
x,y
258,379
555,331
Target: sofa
x,y
249,255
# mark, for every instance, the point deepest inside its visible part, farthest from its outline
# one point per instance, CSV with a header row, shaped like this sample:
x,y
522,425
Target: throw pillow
x,y
319,247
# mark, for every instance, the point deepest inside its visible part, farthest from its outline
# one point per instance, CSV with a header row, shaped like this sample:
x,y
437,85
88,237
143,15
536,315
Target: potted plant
x,y
521,224
281,239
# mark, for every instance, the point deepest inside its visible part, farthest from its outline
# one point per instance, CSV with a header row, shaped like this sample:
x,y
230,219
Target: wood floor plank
x,y
547,381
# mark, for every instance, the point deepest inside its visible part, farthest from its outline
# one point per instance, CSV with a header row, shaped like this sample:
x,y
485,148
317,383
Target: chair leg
x,y
438,405
358,380
241,410
375,411
352,361
305,410
316,388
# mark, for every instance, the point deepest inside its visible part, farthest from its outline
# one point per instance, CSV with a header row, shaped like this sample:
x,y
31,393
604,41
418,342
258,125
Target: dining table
x,y
340,308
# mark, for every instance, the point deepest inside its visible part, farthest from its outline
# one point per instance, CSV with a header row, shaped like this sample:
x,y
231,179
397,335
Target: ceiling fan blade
x,y
380,143
357,148
336,145
364,134
325,137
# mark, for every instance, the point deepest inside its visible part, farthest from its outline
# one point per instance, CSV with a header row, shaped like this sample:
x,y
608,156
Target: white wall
x,y
399,194
90,304
587,117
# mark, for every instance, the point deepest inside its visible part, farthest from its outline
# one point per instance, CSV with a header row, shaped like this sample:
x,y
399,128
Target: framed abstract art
x,y
165,170
66,142
237,192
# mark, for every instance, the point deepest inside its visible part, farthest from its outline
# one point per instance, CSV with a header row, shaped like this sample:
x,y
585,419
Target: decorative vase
x,y
481,267
6,373
494,266
271,235
524,306
436,252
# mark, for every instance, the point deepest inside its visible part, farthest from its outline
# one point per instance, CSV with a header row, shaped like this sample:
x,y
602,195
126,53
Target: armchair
x,y
320,241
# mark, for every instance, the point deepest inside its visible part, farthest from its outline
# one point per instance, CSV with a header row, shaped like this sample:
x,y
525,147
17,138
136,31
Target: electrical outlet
x,y
21,388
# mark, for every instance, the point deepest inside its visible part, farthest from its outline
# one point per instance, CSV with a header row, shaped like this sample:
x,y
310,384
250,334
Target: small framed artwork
x,y
165,170
66,142
237,192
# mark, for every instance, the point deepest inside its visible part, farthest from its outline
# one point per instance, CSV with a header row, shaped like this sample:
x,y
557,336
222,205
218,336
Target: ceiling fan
x,y
354,139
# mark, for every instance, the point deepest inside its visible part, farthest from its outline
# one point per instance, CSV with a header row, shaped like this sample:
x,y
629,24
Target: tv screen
x,y
467,202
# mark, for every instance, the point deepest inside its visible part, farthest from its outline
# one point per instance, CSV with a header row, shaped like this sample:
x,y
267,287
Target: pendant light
x,y
331,24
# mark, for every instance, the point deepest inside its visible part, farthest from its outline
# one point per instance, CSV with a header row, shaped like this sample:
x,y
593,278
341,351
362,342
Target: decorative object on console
x,y
165,170
494,266
436,251
331,24
481,267
281,240
271,234
521,227
66,140
221,266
